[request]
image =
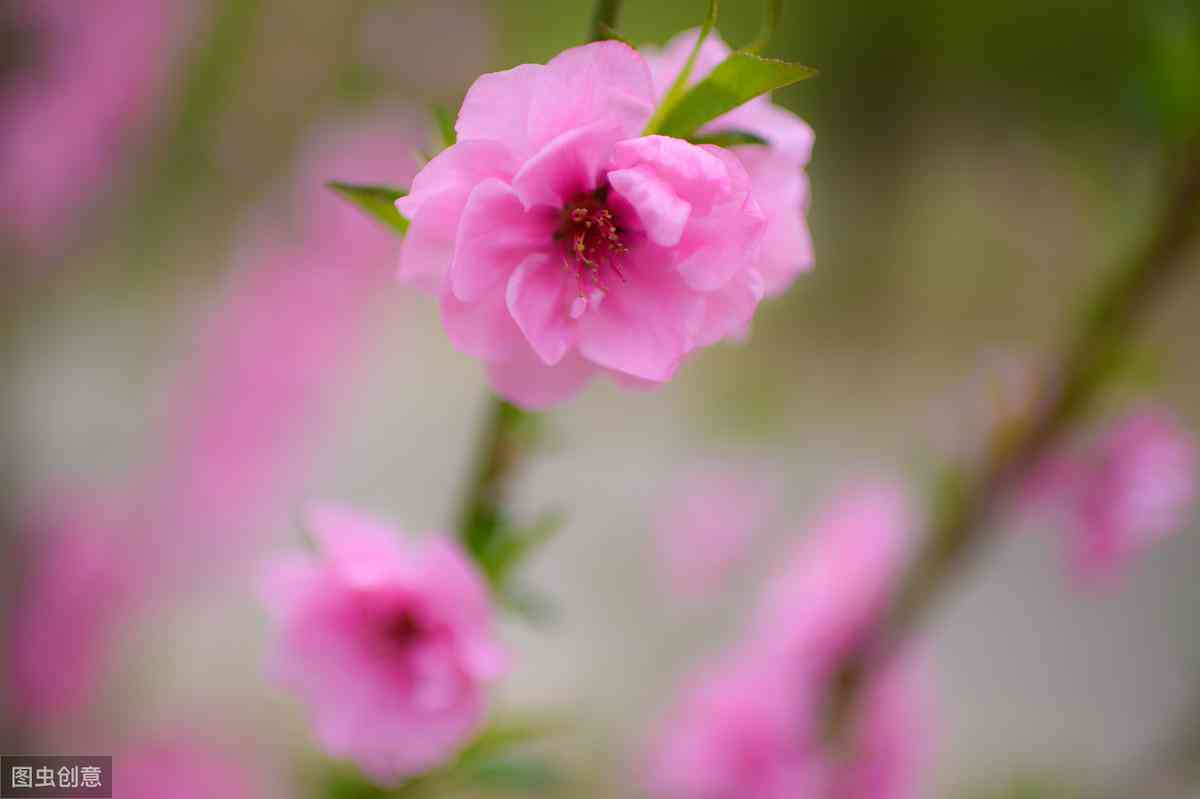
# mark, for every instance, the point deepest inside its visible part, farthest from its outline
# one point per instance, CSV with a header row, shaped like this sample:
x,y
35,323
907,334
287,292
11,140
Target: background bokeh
x,y
975,164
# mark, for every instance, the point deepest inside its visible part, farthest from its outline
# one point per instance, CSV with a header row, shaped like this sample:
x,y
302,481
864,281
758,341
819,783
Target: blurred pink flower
x,y
779,183
274,351
181,768
822,603
389,641
89,88
753,727
1136,484
735,731
705,525
891,736
560,243
74,592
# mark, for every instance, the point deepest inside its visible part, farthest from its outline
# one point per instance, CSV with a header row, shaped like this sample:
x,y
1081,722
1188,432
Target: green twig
x,y
604,20
481,516
966,505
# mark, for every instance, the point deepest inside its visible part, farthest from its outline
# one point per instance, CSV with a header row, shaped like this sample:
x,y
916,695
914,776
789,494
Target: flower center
x,y
592,247
404,630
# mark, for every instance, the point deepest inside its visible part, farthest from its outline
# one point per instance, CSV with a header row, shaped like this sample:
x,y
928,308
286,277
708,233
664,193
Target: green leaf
x,y
445,126
515,775
739,78
536,608
510,550
729,138
502,735
770,23
378,201
679,85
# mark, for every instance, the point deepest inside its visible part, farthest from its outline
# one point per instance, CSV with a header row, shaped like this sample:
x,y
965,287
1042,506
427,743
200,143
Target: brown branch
x,y
967,505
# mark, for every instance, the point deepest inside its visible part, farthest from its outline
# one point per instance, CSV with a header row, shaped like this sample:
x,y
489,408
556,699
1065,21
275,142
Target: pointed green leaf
x,y
730,138
378,201
770,23
736,80
679,85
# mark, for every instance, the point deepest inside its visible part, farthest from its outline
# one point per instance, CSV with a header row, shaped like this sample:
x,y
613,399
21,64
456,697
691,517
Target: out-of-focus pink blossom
x,y
556,237
268,358
890,738
85,92
780,185
389,641
277,345
1136,485
736,731
754,727
78,584
818,608
182,768
705,525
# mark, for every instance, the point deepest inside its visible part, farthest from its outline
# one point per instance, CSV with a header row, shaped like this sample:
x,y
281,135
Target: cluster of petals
x,y
561,242
388,640
1130,486
752,724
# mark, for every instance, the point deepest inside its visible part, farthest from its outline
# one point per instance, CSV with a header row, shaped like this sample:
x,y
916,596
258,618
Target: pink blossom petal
x,y
497,107
494,235
604,82
661,212
568,166
483,329
524,379
538,295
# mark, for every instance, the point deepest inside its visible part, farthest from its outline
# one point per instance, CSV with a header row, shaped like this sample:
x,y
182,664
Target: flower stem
x,y
965,505
482,515
604,19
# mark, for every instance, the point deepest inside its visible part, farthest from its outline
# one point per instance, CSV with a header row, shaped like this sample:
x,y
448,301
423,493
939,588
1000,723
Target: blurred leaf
x,y
729,138
534,607
378,201
770,23
445,126
510,549
515,775
506,733
1175,60
739,78
679,85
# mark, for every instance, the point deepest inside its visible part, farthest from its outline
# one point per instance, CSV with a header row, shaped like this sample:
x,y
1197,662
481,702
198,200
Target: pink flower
x,y
890,736
389,641
91,88
754,726
705,525
822,603
735,731
777,176
1136,485
182,769
561,243
270,356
